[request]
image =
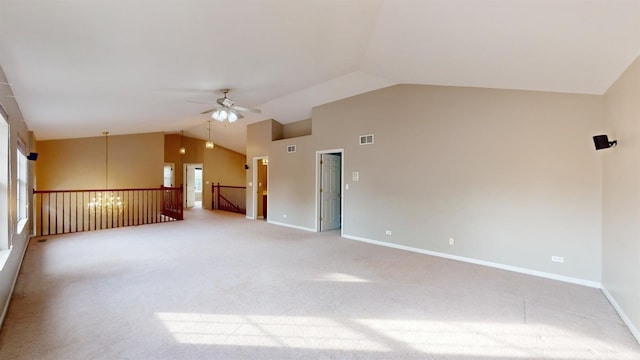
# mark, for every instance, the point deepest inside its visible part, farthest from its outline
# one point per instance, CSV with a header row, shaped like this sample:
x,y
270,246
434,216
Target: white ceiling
x,y
78,68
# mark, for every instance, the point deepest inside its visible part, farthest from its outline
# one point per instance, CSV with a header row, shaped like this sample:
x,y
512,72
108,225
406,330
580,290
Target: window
x,y
4,182
22,191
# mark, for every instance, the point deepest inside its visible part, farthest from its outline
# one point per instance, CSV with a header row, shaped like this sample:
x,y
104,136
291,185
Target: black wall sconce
x,y
32,156
602,142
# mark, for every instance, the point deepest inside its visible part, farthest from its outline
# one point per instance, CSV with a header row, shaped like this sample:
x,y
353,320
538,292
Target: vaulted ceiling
x,y
78,68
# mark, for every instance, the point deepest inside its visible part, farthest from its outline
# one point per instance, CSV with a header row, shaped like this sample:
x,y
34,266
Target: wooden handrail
x,y
66,211
229,205
232,205
104,190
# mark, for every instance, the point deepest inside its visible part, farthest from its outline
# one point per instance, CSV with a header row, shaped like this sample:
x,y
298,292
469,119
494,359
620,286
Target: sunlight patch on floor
x,y
267,331
482,339
340,277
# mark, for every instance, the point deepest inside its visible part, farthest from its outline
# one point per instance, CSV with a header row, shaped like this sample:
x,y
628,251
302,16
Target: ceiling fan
x,y
227,110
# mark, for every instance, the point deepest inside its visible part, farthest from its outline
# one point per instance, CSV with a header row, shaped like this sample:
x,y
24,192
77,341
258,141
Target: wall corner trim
x,y
634,331
567,279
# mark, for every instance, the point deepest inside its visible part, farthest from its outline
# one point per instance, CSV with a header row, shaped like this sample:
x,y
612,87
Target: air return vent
x,y
291,148
366,139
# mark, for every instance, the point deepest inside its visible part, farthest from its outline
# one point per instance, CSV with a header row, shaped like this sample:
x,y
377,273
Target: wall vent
x,y
366,139
291,148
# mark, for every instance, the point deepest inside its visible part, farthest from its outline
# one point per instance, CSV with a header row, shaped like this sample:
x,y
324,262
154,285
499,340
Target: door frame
x,y
319,184
184,181
254,187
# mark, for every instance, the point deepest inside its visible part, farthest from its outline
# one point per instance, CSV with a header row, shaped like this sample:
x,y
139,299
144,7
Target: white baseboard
x,y
568,279
291,226
623,315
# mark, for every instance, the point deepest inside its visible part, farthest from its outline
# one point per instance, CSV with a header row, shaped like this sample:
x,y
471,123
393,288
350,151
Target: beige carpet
x,y
218,286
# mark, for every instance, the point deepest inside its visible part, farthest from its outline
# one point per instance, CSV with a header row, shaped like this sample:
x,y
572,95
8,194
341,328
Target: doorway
x,y
329,190
192,185
169,175
261,189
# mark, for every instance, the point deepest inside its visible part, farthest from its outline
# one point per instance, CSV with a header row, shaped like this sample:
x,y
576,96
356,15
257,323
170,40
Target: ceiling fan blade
x,y
208,111
199,102
240,108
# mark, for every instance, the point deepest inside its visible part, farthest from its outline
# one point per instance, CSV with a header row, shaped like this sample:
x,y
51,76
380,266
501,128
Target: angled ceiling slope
x,y
79,68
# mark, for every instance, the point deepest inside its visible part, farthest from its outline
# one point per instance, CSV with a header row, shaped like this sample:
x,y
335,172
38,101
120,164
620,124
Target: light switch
x,y
355,176
346,186
250,184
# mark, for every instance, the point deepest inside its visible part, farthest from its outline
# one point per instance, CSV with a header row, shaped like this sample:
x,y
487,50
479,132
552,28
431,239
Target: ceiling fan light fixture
x,y
217,115
233,116
227,102
226,110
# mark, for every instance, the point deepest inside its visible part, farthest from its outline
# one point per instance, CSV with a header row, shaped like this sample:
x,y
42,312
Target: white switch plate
x,y
355,176
387,232
558,259
452,241
346,186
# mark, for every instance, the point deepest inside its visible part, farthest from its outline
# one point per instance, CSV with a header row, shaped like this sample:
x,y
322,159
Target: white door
x,y
190,185
168,175
330,168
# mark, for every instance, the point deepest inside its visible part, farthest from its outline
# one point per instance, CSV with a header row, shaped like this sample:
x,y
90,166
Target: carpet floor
x,y
218,286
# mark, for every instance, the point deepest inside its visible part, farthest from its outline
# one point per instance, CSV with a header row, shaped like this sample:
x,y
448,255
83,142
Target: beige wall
x,y
621,196
511,175
259,138
219,165
10,259
296,129
194,153
223,166
134,161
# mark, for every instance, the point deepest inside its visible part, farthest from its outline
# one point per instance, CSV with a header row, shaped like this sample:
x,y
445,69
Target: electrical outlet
x,y
452,241
558,259
387,232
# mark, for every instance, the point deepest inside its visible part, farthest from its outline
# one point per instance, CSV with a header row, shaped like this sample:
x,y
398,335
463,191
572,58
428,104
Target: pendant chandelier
x,y
182,150
209,143
106,201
